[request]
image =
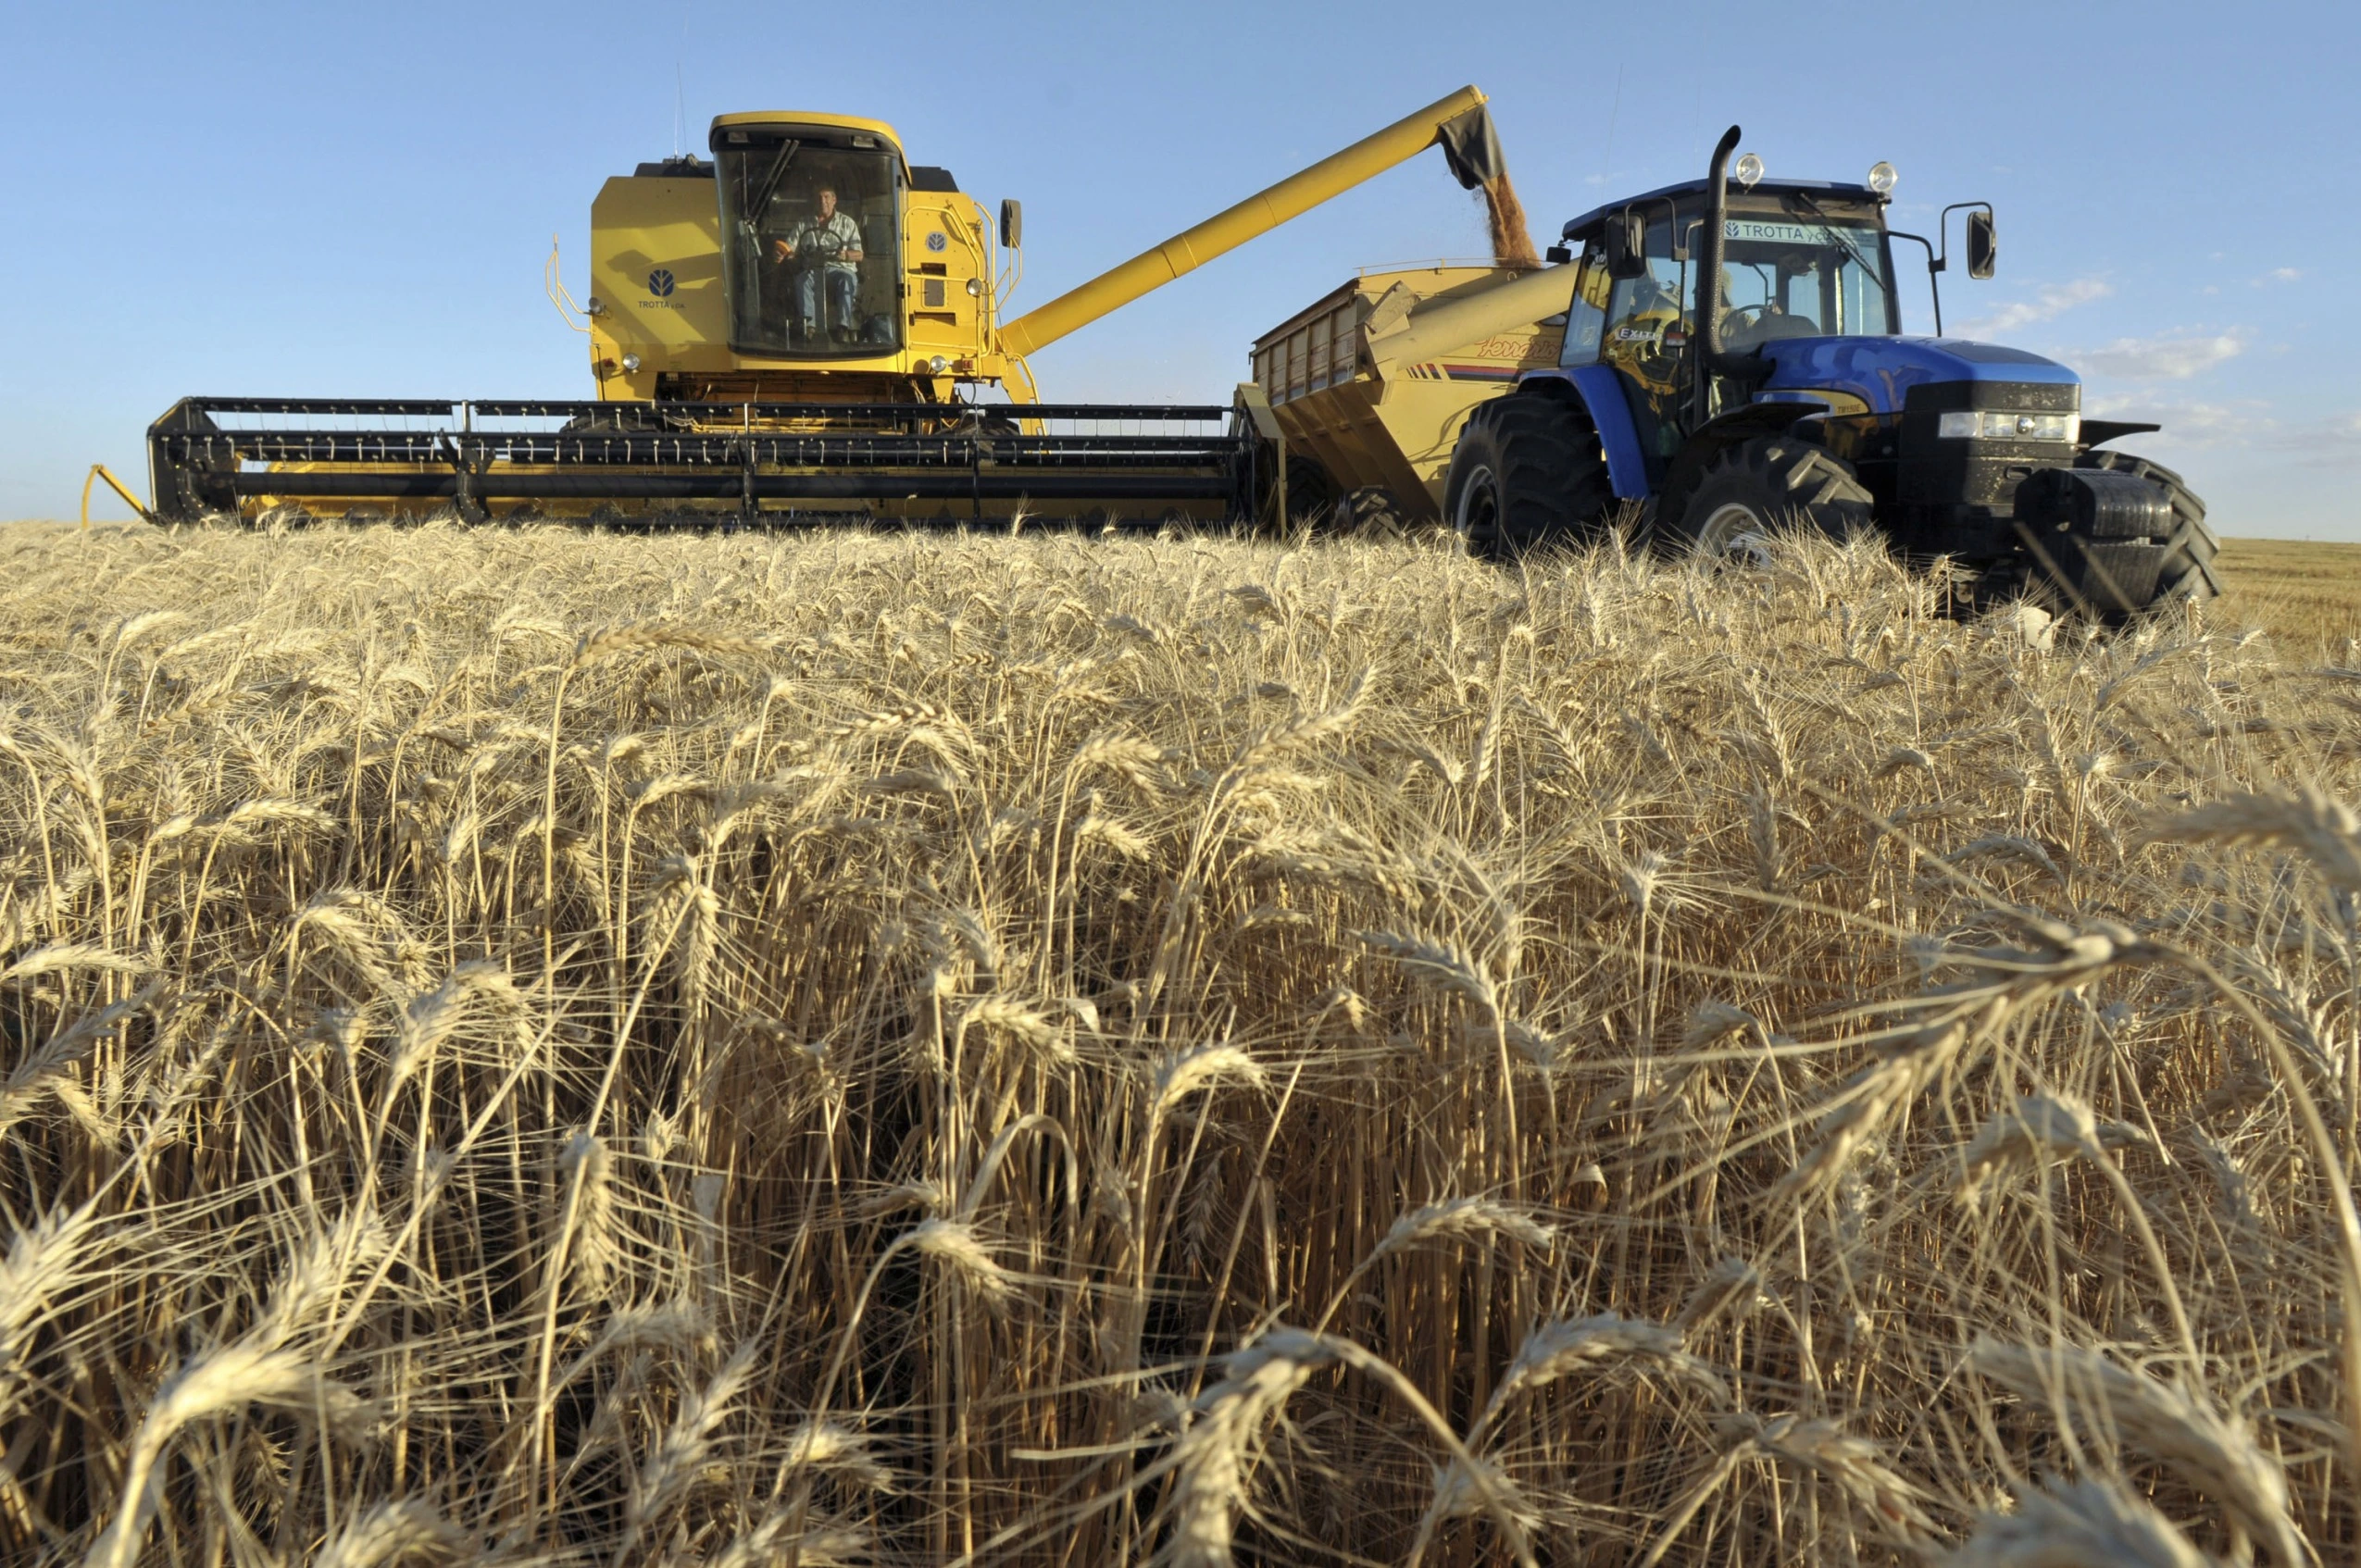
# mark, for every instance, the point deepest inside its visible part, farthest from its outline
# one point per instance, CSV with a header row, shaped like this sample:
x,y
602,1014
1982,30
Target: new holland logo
x,y
659,283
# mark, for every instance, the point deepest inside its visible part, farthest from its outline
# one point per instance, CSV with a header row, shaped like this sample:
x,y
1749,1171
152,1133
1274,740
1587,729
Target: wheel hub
x,y
1732,528
1477,517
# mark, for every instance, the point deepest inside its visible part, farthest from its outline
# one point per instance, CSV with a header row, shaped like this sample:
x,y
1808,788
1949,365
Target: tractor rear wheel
x,y
2121,576
1757,487
1526,468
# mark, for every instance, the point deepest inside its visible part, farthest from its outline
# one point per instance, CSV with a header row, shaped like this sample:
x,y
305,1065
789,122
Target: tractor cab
x,y
1801,259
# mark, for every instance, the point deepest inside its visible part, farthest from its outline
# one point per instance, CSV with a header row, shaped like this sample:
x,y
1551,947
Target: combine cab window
x,y
811,252
1798,277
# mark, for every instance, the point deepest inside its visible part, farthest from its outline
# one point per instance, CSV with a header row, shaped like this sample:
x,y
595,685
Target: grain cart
x,y
1732,361
806,319
1372,383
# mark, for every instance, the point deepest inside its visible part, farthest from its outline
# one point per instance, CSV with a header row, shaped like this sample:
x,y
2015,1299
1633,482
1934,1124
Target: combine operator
x,y
829,245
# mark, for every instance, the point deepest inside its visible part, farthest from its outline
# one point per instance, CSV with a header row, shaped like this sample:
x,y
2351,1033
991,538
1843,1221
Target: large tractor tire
x,y
2121,576
1528,469
1760,488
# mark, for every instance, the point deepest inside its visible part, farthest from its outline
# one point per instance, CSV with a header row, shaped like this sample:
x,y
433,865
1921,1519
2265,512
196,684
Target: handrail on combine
x,y
99,471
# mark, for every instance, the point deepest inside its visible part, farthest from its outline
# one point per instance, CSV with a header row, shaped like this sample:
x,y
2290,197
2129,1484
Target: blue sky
x,y
358,200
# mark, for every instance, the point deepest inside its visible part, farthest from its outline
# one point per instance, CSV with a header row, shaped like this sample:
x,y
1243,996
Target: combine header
x,y
807,323
242,454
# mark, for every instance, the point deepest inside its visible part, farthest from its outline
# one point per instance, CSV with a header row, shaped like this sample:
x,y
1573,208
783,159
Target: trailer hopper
x,y
1370,383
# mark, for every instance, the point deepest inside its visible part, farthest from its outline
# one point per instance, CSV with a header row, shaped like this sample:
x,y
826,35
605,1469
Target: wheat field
x,y
532,1047
2306,591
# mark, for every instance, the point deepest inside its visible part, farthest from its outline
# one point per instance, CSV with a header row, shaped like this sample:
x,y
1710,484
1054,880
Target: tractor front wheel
x,y
1527,468
2105,573
1756,488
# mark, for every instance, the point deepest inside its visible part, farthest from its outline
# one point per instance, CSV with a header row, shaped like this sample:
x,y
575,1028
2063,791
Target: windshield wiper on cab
x,y
1837,234
759,208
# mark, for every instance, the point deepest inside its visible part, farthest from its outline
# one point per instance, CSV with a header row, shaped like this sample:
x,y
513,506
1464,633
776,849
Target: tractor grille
x,y
1939,473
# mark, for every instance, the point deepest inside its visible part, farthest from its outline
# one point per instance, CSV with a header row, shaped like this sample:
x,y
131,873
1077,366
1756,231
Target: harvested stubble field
x,y
528,1046
2307,593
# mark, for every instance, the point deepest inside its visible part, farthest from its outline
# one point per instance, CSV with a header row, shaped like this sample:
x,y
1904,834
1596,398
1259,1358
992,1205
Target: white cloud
x,y
2164,357
2247,424
2334,441
2278,275
2053,300
2187,424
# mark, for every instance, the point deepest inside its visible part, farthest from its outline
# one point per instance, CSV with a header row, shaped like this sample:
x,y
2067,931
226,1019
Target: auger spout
x,y
1460,123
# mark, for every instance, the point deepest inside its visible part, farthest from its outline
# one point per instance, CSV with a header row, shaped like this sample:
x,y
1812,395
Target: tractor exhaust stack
x,y
1711,359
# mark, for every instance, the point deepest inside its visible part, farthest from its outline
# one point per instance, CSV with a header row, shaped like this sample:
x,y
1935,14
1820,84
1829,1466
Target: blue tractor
x,y
1733,363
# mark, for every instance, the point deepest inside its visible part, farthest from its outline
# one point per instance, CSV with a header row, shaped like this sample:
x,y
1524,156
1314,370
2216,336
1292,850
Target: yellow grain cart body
x,y
1372,382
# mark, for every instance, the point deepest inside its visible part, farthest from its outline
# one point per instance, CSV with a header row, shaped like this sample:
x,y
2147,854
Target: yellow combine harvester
x,y
804,323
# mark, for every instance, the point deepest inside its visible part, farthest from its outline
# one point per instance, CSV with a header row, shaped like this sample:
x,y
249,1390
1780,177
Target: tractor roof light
x,y
1882,177
1749,170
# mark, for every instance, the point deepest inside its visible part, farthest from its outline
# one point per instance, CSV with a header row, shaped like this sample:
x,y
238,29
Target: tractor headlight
x,y
1996,424
937,364
630,362
1882,176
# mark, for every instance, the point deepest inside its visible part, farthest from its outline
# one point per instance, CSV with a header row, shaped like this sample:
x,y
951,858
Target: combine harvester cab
x,y
805,325
1799,402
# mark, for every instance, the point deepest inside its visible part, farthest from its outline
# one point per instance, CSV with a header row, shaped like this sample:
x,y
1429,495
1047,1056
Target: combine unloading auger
x,y
806,324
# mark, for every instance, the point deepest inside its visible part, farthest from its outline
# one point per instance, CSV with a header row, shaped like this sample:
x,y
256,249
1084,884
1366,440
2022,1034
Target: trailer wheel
x,y
1311,493
2184,564
1371,512
1525,469
1756,488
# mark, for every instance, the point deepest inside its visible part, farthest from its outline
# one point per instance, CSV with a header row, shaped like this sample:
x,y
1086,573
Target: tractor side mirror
x,y
1983,246
1627,243
1558,256
1012,222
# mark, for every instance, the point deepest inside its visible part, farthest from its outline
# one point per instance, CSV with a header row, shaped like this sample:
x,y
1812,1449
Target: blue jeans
x,y
841,287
